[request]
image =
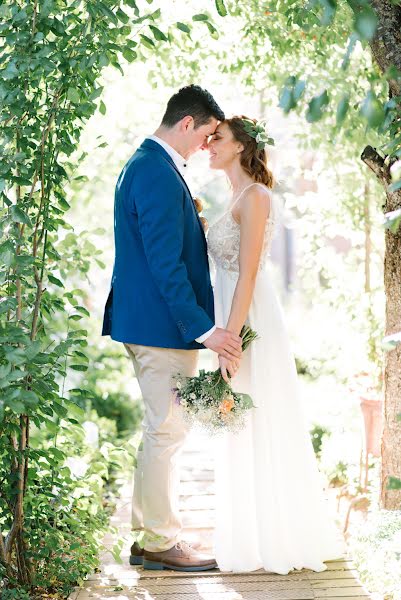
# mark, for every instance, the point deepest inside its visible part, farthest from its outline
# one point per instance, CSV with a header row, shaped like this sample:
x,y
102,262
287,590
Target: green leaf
x,y
394,483
102,107
63,203
221,8
96,93
315,106
392,220
155,15
60,410
29,398
7,253
59,454
130,56
133,4
7,303
122,16
15,356
83,310
75,546
80,354
17,407
183,27
4,370
10,71
103,60
73,95
200,17
342,109
212,29
147,41
18,215
365,23
75,317
158,35
79,367
329,11
292,92
54,280
373,110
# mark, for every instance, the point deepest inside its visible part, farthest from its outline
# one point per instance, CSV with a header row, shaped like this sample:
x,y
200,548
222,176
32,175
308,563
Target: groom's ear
x,y
187,123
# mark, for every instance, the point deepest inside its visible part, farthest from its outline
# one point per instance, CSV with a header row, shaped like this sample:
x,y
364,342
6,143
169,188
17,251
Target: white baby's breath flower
x,y
178,385
259,138
192,396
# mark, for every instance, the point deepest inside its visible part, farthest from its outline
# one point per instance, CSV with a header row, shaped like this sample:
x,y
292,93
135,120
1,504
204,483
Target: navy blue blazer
x,y
161,294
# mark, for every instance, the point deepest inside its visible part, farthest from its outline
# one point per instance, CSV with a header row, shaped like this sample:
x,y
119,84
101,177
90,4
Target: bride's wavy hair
x,y
252,159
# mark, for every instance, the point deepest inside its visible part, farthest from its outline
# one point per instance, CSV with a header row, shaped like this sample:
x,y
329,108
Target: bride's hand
x,y
228,367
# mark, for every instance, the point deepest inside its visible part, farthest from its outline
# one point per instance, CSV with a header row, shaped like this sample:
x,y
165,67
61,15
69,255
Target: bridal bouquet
x,y
209,402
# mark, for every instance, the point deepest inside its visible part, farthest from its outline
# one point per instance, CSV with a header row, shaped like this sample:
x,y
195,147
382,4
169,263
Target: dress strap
x,y
247,188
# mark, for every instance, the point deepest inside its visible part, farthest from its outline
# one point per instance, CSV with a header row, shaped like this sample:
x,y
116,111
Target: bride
x,y
270,507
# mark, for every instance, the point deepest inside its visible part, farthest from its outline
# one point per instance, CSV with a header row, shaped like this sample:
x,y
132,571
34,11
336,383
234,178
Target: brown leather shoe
x,y
136,555
181,557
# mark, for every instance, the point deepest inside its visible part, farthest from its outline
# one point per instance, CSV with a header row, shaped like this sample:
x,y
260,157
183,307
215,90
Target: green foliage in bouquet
x,y
209,401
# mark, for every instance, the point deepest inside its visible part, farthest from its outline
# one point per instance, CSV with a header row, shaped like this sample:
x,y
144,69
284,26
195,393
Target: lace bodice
x,y
224,240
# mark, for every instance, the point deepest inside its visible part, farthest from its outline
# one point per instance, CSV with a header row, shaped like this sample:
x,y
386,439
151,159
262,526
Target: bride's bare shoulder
x,y
256,201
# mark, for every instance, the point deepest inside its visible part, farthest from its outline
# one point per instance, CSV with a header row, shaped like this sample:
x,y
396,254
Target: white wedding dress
x,y
270,508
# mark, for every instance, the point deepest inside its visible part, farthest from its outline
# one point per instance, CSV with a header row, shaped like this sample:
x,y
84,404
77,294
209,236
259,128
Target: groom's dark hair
x,y
193,101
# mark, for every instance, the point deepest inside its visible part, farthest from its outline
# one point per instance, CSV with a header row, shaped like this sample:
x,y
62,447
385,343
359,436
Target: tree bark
x,y
391,438
386,44
386,50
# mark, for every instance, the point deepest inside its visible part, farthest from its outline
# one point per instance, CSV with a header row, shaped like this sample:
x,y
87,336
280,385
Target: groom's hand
x,y
226,343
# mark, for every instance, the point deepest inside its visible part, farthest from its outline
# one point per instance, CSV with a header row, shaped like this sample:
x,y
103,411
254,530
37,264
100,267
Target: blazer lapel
x,y
151,144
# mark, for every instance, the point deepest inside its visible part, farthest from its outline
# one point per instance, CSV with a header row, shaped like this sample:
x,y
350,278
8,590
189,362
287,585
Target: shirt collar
x,y
180,162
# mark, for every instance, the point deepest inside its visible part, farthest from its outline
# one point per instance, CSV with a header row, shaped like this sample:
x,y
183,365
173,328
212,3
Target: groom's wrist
x,y
204,336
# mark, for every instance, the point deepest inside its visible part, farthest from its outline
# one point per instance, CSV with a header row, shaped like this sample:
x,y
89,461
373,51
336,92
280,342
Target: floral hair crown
x,y
258,131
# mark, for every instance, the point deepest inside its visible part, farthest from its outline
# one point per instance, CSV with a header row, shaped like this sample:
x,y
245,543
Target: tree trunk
x,y
386,50
391,439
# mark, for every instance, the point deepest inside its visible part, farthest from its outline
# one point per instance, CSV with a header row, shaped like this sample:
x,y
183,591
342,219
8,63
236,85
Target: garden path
x,y
123,582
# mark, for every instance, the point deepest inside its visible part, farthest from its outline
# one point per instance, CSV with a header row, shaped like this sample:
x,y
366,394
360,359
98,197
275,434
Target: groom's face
x,y
198,138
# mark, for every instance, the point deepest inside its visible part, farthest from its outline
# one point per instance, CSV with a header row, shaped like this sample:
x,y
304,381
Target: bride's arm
x,y
254,210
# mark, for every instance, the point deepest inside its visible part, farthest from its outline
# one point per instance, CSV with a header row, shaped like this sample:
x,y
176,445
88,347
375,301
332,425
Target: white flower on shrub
x,y
77,466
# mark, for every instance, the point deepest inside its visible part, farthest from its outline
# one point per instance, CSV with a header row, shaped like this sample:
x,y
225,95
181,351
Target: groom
x,y
161,307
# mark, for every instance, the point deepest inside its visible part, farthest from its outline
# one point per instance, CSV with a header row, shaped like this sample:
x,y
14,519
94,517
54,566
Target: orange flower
x,y
226,405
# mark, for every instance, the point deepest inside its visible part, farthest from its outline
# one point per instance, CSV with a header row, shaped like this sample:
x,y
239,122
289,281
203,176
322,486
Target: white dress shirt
x,y
182,164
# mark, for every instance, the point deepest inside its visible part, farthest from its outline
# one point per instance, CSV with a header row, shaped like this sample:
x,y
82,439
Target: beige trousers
x,y
156,481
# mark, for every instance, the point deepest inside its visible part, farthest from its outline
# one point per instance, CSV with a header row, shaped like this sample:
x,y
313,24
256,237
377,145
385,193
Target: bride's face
x,y
223,148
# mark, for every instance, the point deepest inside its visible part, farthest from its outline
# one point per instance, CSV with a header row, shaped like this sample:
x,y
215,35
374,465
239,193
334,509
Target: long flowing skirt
x,y
271,511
